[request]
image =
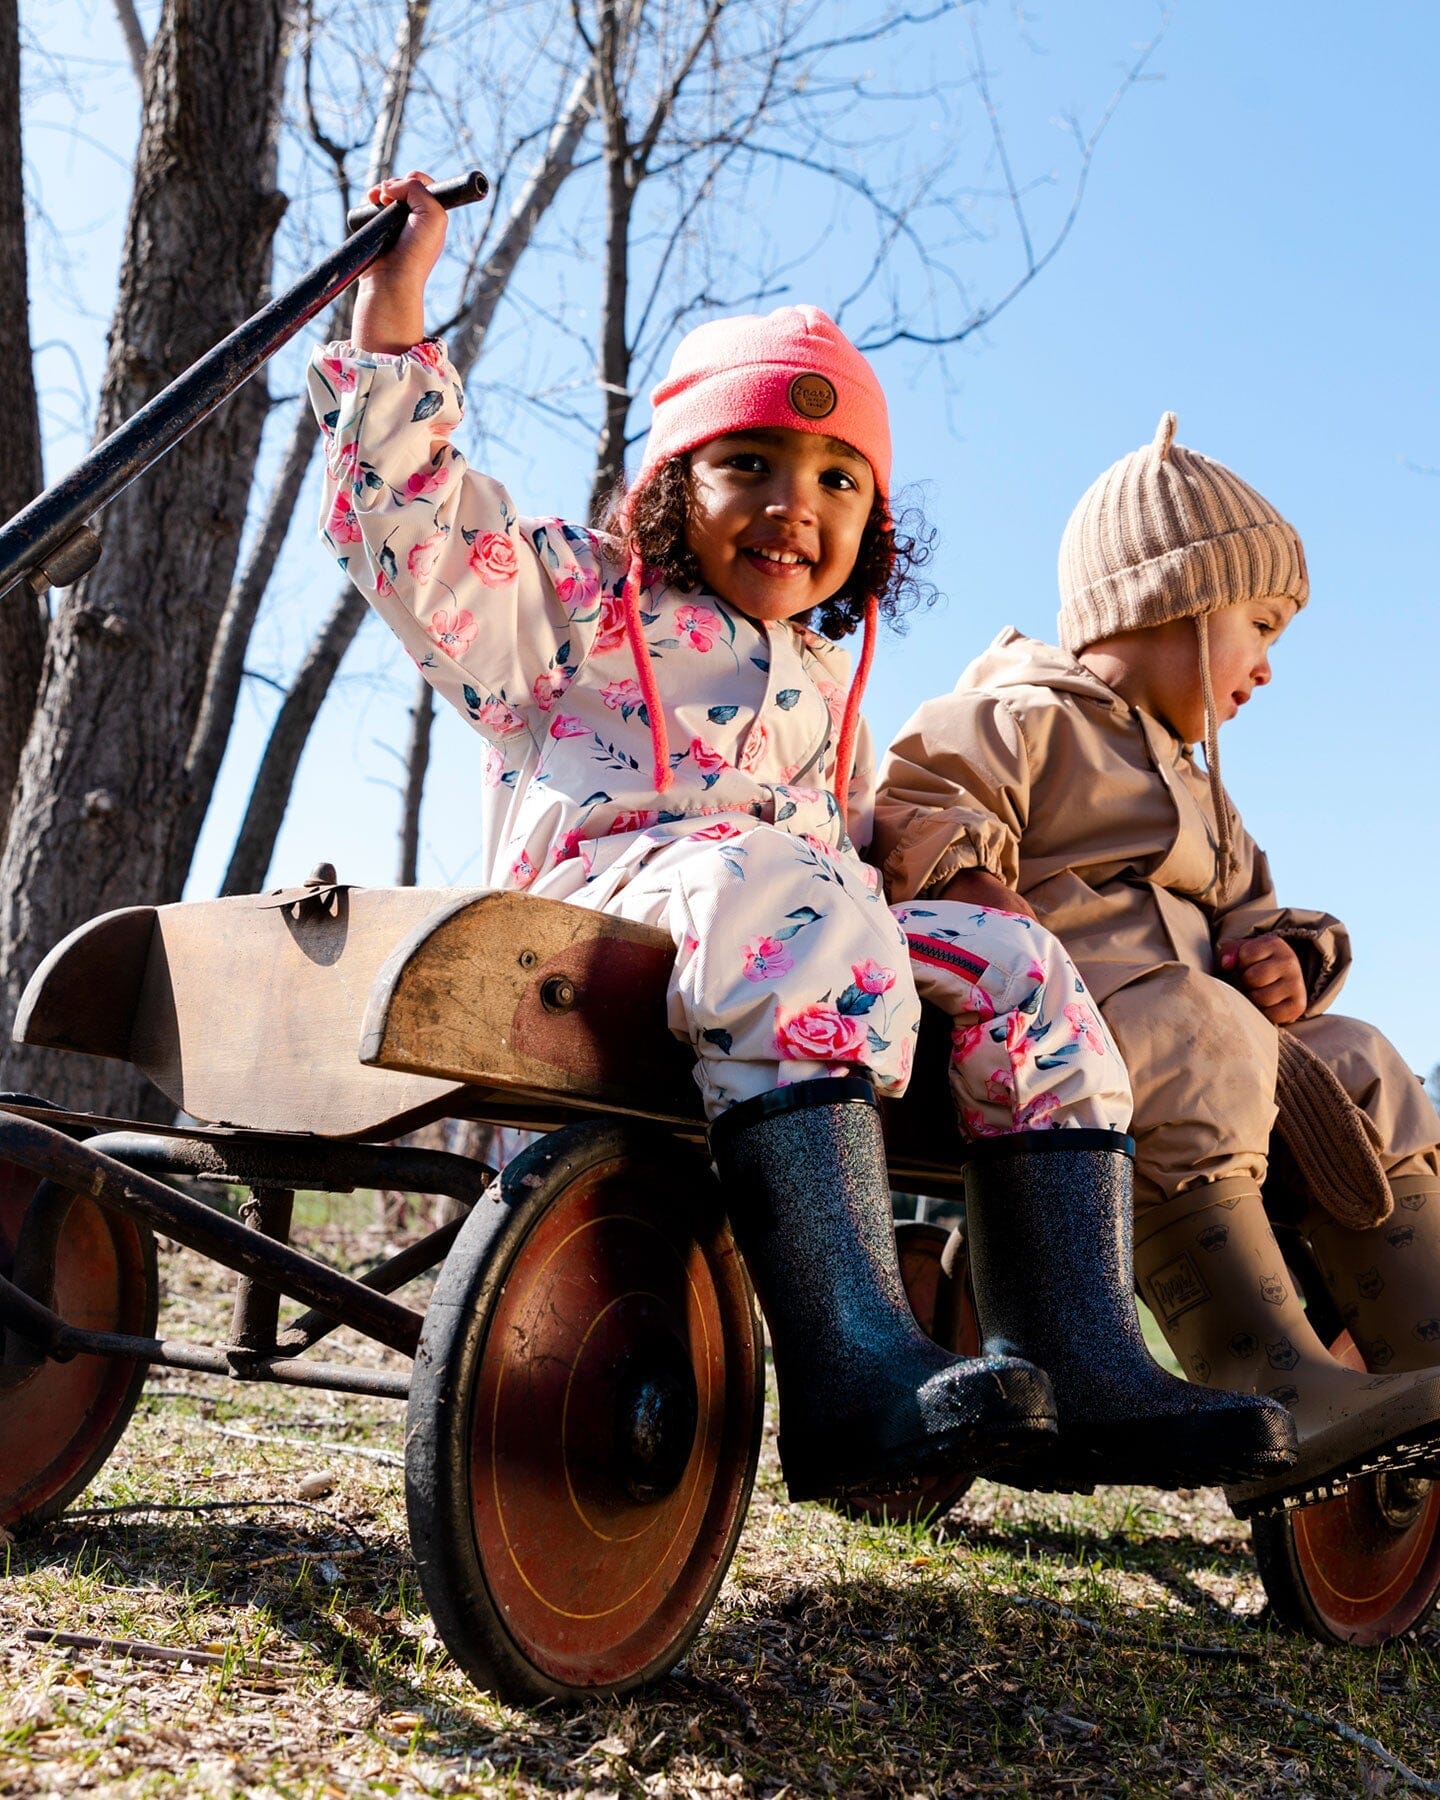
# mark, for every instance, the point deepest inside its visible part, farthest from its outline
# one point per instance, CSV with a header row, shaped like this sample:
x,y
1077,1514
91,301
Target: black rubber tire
x,y
471,1341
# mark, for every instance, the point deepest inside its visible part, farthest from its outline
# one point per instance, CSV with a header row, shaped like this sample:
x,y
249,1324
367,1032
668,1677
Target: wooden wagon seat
x,y
361,1012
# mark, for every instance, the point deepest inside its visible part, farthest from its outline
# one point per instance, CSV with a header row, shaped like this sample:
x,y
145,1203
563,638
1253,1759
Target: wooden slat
x,y
470,995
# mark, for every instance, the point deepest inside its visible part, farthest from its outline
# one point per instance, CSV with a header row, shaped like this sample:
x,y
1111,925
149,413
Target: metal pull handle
x,y
463,190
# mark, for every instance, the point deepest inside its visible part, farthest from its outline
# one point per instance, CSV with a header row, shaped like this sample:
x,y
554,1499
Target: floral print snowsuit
x,y
788,963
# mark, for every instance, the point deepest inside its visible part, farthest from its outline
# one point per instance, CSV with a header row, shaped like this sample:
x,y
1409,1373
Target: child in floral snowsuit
x,y
667,741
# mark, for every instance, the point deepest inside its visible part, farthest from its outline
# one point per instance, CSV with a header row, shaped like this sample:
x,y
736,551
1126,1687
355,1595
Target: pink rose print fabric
x,y
1029,1050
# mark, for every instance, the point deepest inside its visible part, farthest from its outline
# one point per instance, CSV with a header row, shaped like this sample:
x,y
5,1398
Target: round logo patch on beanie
x,y
812,396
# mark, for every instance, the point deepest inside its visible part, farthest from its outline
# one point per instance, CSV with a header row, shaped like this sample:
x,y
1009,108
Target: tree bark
x,y
101,784
614,346
531,204
417,761
24,618
255,845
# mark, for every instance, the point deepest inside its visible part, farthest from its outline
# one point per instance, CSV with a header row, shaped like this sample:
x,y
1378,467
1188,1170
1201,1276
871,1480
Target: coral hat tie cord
x,y
664,775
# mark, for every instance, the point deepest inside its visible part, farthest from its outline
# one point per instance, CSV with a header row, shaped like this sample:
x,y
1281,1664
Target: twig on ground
x,y
388,1457
264,1562
1227,1652
1372,1746
141,1651
717,1690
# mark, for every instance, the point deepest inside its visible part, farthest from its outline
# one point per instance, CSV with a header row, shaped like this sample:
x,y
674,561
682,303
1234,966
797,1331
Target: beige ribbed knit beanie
x,y
1166,533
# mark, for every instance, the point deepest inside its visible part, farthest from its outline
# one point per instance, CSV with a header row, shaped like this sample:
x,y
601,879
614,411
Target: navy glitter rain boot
x,y
868,1403
1048,1224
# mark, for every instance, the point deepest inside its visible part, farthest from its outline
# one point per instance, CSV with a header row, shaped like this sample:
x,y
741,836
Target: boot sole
x,y
965,1450
1416,1450
1215,1452
1013,1415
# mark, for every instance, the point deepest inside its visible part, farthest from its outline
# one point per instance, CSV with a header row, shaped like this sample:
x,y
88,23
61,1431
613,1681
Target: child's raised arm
x,y
390,295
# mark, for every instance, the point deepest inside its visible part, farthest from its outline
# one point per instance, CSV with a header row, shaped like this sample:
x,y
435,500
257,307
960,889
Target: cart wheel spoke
x,y
584,1419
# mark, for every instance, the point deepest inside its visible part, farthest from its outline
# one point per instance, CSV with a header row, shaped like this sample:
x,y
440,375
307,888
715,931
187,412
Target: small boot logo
x,y
1378,1353
1428,1331
1282,1354
1350,1313
1214,1237
1200,1369
1272,1289
1175,1287
1287,1396
1401,1237
1412,1202
1244,1345
1371,1283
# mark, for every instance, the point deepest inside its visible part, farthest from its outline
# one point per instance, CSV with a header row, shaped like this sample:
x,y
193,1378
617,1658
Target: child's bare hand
x,y
390,298
978,887
1268,973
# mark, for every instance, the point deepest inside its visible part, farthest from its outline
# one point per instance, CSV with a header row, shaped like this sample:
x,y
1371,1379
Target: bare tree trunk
x,y
227,659
531,204
100,789
232,639
614,346
24,619
288,736
417,761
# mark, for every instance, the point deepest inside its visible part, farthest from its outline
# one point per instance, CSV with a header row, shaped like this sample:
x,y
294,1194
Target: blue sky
x,y
1257,251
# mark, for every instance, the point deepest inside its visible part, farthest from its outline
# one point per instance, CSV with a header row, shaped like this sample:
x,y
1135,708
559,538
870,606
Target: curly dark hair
x,y
892,551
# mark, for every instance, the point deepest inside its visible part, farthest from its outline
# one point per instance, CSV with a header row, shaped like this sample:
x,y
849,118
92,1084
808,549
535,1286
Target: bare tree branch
x,y
130,30
417,761
255,844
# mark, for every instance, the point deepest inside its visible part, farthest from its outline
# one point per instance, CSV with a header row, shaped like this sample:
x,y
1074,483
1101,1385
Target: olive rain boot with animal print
x,y
868,1403
1385,1282
1048,1228
1214,1276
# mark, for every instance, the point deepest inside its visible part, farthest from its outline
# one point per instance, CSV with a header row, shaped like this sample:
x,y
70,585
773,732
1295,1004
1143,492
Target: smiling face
x,y
1158,668
775,518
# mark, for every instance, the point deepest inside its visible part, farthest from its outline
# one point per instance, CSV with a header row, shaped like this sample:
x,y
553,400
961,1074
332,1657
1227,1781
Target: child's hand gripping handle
x,y
462,190
49,544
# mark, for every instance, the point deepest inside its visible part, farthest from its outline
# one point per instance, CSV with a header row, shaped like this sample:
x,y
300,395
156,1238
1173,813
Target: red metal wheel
x,y
944,1308
1362,1567
584,1418
59,1421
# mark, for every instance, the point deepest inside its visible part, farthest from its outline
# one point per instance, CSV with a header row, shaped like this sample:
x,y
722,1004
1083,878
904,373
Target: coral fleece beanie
x,y
793,368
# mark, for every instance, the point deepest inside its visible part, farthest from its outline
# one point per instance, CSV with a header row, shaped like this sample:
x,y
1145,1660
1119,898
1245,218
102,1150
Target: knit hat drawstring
x,y
645,673
850,722
1224,847
1164,534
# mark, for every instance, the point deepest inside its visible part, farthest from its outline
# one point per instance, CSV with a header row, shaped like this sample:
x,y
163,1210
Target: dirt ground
x,y
1109,1646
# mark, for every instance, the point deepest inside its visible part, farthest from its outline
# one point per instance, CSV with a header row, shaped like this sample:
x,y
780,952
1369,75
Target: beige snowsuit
x,y
1037,771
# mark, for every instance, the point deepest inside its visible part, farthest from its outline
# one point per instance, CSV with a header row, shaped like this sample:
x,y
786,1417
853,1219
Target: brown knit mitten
x,y
1330,1139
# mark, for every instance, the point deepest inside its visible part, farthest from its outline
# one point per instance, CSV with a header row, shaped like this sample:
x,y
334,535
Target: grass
x,y
1115,1645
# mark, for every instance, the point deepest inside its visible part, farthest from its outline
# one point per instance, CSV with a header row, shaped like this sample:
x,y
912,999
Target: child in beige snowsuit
x,y
1062,782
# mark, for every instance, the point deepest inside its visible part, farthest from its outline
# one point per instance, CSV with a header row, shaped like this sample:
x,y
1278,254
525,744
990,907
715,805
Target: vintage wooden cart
x,y
585,1388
